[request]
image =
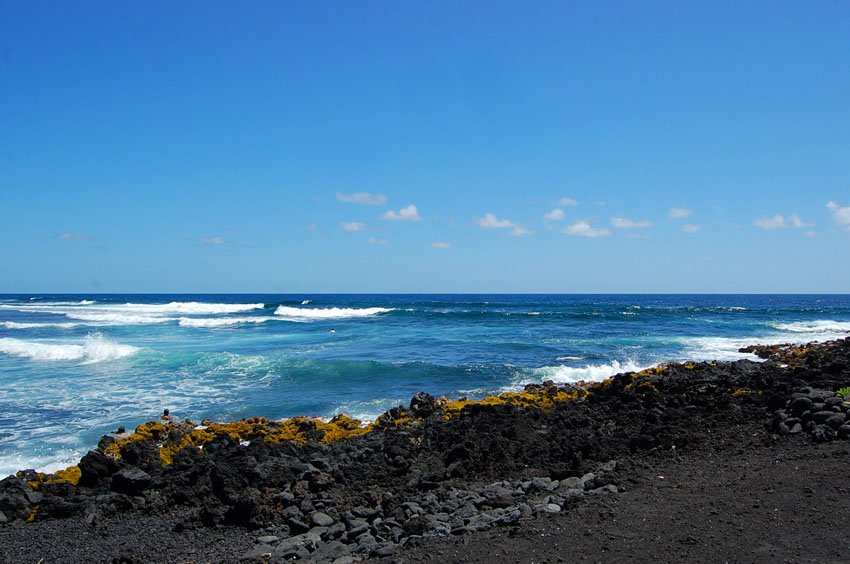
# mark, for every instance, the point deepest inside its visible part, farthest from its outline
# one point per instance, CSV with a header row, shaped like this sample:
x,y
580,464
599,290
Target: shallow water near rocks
x,y
76,367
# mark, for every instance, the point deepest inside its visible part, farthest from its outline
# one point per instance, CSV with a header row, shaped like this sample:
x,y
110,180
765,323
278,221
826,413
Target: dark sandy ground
x,y
743,498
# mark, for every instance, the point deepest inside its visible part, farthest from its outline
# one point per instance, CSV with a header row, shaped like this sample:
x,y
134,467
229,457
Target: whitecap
x,y
817,326
16,325
11,463
118,318
572,374
210,322
94,348
329,313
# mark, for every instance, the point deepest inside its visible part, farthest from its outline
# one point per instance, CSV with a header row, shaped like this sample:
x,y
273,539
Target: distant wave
x,y
817,326
95,348
198,308
220,321
329,313
16,325
118,318
130,313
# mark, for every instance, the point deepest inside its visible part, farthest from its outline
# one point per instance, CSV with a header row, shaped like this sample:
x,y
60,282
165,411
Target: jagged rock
x,y
131,481
16,498
95,467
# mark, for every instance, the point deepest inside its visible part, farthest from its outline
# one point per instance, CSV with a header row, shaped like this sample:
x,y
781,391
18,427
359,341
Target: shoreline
x,y
437,469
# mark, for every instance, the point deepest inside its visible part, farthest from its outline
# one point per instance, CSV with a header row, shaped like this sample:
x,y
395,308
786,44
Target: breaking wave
x,y
94,348
571,374
817,326
220,321
16,325
329,313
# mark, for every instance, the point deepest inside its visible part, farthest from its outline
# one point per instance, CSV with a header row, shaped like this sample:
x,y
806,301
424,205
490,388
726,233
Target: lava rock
x,y
131,481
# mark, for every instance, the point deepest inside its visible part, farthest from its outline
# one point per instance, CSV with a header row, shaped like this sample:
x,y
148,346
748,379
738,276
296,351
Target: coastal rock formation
x,y
337,490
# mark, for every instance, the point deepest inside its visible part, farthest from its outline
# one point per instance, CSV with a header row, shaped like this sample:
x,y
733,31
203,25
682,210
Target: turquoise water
x,y
75,367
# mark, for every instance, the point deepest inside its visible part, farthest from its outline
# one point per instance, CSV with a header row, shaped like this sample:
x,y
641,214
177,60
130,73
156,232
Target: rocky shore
x,y
437,473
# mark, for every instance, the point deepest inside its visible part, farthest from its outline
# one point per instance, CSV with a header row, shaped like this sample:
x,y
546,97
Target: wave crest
x,y
817,326
329,313
220,321
588,373
95,348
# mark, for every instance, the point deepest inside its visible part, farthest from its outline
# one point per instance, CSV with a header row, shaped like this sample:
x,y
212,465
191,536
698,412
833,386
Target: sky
x,y
555,147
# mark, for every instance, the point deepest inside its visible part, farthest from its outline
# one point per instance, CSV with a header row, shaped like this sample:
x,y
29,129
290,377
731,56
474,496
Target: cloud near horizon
x,y
68,236
441,244
556,214
217,240
680,213
352,226
778,221
624,223
841,216
584,229
377,241
566,202
691,228
407,213
363,198
490,221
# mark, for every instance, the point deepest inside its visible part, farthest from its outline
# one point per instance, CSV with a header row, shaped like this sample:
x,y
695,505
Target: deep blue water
x,y
74,367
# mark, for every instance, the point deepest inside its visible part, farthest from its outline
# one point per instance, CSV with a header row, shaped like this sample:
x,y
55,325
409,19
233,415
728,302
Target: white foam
x,y
220,321
329,313
118,318
94,348
817,326
11,463
305,302
16,325
570,374
196,308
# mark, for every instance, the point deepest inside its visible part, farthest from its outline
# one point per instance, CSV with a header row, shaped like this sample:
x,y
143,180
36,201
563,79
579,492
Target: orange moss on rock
x,y
35,480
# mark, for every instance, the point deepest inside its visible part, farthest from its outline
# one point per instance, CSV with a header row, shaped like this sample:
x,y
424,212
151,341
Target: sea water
x,y
74,367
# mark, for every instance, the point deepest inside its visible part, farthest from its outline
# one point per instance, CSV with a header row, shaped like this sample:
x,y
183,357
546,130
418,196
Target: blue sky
x,y
220,147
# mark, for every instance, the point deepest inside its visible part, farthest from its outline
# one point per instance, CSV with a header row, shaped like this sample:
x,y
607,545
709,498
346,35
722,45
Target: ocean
x,y
74,367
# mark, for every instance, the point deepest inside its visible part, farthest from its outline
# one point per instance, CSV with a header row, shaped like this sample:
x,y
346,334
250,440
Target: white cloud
x,y
217,240
407,213
67,236
680,213
441,244
362,198
840,215
567,202
623,223
798,223
377,241
555,215
691,228
352,225
584,229
490,221
313,227
777,221
771,223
